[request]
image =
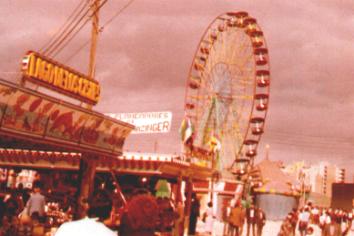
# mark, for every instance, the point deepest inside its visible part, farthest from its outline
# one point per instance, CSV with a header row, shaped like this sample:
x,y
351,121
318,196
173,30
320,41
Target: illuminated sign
x,y
146,122
48,73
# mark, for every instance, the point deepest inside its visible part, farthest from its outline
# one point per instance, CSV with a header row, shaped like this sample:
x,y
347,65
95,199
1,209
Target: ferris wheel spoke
x,y
206,120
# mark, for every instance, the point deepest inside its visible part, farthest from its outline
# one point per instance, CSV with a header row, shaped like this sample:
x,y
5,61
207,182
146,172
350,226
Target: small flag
x,y
186,130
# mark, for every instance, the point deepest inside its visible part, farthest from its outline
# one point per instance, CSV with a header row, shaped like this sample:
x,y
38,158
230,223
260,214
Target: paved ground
x,y
270,229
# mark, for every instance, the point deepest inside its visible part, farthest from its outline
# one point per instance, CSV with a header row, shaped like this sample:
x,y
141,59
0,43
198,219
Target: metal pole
x,y
212,178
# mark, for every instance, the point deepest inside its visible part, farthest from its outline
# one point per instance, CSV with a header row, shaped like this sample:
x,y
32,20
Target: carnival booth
x,y
54,130
278,193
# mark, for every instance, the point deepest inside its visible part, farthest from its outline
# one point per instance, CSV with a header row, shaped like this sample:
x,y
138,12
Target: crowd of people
x,y
237,215
331,222
22,212
25,213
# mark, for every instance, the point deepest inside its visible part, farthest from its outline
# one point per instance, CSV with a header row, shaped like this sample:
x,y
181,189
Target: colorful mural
x,y
23,111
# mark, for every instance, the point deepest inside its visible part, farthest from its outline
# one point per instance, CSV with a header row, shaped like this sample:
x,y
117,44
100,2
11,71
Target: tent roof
x,y
275,180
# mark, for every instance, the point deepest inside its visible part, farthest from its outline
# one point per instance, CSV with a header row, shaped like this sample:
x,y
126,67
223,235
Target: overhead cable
x,y
63,29
101,29
74,31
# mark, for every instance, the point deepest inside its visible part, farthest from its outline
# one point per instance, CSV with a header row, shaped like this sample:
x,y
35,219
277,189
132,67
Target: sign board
x,y
53,75
146,122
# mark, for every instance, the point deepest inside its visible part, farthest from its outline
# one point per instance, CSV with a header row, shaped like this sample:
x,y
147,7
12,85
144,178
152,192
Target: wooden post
x,y
86,183
187,209
94,36
177,193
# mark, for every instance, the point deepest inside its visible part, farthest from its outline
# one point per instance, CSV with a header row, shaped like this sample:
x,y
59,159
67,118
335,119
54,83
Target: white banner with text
x,y
146,122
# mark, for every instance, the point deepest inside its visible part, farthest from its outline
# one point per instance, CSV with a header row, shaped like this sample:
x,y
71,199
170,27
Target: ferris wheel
x,y
227,90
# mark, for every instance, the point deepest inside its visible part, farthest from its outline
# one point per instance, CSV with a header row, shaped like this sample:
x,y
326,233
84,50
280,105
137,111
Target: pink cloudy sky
x,y
144,55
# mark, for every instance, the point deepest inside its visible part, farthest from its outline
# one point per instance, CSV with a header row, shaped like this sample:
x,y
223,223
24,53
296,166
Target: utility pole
x,y
87,169
94,37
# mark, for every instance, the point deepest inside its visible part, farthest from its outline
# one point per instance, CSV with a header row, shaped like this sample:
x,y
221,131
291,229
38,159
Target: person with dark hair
x,y
100,206
91,225
286,227
260,220
294,218
23,192
195,207
304,218
237,219
251,220
36,202
11,204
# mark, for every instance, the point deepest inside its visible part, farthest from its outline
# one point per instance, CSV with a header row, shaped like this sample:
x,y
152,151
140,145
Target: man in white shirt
x,y
36,202
89,226
304,218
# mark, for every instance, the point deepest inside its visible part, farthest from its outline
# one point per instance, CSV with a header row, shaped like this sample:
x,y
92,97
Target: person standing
x,y
195,208
294,219
91,225
251,220
36,202
11,204
332,229
179,223
322,222
237,218
286,227
304,219
209,219
260,220
226,217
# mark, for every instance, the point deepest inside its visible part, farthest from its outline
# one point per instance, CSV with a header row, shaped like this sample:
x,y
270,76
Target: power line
x,y
78,50
63,29
117,14
314,145
101,29
65,36
309,141
309,137
57,49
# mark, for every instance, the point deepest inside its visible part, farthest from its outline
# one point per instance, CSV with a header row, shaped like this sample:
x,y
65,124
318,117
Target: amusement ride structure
x,y
227,94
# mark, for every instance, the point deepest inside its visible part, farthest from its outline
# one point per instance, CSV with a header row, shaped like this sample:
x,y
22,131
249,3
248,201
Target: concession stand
x,y
32,122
